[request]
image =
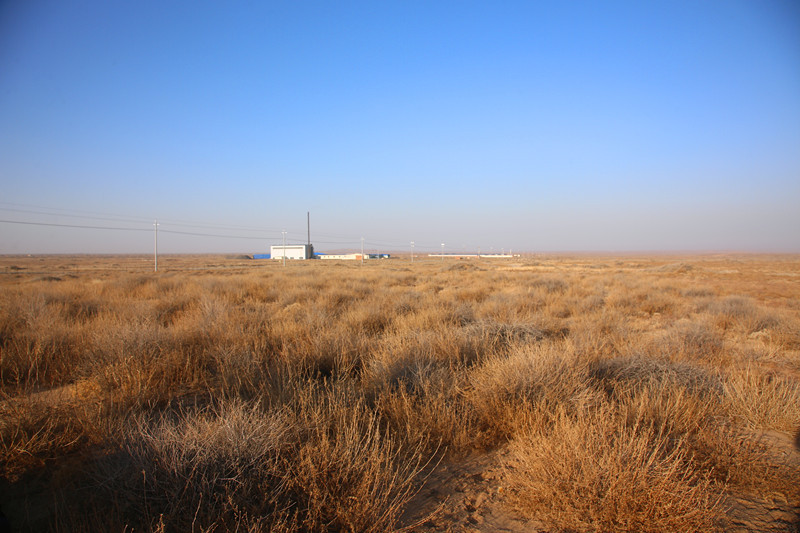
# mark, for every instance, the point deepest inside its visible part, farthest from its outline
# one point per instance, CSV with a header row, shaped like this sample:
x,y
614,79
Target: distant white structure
x,y
352,257
292,251
479,256
341,257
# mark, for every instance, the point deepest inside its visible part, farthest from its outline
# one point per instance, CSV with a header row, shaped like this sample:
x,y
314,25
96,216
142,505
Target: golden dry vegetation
x,y
579,393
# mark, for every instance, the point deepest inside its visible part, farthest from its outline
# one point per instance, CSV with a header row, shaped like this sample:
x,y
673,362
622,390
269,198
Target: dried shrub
x,y
619,376
762,400
35,430
595,473
742,312
235,466
546,378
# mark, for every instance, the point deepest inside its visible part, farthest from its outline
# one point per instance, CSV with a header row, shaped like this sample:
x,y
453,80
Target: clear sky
x,y
532,126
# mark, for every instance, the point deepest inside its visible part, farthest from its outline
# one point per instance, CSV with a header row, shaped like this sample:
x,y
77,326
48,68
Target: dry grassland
x,y
552,393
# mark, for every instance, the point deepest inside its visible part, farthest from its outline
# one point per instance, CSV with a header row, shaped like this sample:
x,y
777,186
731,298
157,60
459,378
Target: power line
x,y
70,225
54,211
386,245
242,228
81,226
116,216
193,224
28,211
344,241
403,245
211,234
337,242
267,232
353,242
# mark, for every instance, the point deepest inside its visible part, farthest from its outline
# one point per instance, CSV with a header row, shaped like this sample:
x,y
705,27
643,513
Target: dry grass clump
x,y
354,475
544,379
634,393
602,334
762,400
595,472
619,376
189,470
40,343
695,341
637,457
32,431
743,313
435,416
238,466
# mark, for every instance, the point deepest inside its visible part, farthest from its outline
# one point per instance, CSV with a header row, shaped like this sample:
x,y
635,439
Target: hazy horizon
x,y
535,127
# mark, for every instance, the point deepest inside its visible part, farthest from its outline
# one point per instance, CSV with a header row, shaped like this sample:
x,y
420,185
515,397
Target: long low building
x,y
341,257
479,256
352,257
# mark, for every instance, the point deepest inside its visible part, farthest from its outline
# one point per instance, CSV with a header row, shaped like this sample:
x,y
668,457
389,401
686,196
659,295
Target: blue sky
x,y
535,126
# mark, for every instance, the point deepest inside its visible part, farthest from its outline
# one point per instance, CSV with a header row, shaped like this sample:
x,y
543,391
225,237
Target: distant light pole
x,y
284,247
155,225
442,251
412,251
362,251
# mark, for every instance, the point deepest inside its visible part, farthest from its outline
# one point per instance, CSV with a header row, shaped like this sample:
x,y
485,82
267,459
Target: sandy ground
x,y
771,512
468,495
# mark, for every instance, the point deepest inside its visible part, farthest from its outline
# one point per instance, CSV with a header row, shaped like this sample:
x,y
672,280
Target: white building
x,y
292,251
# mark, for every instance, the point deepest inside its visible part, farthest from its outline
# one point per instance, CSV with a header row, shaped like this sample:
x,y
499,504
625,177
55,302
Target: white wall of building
x,y
292,251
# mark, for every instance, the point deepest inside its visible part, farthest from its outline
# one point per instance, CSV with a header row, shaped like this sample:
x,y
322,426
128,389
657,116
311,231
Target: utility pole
x,y
442,251
362,251
308,225
155,225
284,247
412,251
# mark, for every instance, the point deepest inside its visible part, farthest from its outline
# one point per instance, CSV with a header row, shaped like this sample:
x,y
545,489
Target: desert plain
x,y
548,392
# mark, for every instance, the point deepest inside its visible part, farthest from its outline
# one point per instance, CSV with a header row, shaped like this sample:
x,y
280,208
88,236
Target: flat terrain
x,y
543,393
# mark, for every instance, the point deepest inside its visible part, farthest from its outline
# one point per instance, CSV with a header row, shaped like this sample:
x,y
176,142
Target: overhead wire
x,y
91,215
210,234
88,217
161,230
267,233
63,212
70,225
